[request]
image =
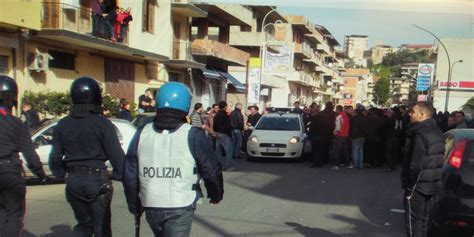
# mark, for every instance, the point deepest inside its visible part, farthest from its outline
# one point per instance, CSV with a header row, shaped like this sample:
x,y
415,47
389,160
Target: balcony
x,y
233,14
187,8
182,57
315,58
300,22
203,49
301,77
303,50
248,39
323,48
78,26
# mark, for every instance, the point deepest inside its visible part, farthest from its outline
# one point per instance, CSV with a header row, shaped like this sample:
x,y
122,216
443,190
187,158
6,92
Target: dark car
x,y
143,119
453,209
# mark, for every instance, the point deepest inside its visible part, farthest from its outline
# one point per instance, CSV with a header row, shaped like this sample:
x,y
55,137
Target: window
x,y
279,123
3,64
62,60
149,15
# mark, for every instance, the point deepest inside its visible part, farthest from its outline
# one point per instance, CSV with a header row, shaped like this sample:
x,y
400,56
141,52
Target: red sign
x,y
461,85
422,97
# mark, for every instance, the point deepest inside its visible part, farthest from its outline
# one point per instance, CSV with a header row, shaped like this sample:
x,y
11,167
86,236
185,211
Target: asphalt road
x,y
261,199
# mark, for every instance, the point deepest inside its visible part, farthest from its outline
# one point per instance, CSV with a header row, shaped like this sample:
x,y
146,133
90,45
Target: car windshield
x,y
279,124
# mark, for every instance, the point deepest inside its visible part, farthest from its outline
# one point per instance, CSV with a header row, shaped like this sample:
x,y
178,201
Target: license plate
x,y
272,150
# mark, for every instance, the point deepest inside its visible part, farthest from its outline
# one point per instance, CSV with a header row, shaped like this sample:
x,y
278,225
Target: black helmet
x,y
8,92
85,90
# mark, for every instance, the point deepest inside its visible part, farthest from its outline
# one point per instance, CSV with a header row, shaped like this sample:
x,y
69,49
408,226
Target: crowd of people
x,y
360,137
110,22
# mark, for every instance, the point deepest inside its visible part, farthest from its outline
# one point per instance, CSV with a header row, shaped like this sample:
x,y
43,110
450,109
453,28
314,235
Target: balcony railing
x,y
204,47
182,50
251,39
61,16
305,49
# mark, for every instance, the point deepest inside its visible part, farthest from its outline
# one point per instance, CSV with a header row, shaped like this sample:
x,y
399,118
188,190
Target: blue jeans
x,y
340,148
358,152
224,142
236,142
170,223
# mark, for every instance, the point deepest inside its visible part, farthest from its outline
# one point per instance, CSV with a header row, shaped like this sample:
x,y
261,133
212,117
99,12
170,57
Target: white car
x,y
278,135
43,136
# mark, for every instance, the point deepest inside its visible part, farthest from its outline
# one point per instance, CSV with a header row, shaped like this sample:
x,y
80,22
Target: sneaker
x,y
335,167
231,169
350,167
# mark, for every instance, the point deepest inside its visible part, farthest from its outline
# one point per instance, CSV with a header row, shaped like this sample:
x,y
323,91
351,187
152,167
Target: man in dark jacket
x,y
321,134
392,133
124,112
422,168
357,133
30,117
237,124
164,164
223,132
82,143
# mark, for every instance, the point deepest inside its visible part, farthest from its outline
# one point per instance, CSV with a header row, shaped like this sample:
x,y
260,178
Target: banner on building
x,y
277,58
425,76
254,80
347,98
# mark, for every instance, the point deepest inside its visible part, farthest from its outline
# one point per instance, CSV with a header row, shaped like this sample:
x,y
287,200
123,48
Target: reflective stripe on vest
x,y
166,168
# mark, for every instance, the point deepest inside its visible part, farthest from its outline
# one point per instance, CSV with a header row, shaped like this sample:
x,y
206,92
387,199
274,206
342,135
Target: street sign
x,y
425,76
422,98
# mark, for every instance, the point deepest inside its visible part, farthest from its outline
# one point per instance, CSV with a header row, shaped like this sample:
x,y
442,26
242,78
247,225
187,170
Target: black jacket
x,y
358,127
32,120
125,114
237,120
253,119
393,128
222,123
86,141
424,158
323,124
16,138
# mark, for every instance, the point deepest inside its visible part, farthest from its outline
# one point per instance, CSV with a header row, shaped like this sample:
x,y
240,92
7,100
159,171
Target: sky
x,y
384,21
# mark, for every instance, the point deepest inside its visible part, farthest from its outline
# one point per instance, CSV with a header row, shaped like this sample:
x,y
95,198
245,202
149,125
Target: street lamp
x,y
448,87
449,62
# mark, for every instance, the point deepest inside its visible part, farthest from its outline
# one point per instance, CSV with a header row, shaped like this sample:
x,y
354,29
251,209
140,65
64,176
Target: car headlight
x,y
294,140
253,139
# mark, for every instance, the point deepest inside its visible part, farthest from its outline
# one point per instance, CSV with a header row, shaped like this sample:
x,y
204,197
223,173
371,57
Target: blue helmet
x,y
174,95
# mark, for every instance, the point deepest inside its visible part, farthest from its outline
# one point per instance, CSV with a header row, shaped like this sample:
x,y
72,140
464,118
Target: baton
x,y
137,224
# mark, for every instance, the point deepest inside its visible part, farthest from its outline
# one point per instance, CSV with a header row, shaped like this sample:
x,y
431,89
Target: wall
x,y
21,13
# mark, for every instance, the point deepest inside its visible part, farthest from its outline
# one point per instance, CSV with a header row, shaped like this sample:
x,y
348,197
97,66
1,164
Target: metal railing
x,y
183,50
61,16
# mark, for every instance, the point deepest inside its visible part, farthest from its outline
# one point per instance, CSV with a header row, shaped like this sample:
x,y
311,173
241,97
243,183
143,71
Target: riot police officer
x,y
166,160
82,143
14,138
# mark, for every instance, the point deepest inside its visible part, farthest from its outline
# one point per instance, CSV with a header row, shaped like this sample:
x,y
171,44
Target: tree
x,y
469,104
382,90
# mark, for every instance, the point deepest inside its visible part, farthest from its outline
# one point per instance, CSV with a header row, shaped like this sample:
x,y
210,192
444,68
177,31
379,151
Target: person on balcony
x,y
98,9
110,22
121,24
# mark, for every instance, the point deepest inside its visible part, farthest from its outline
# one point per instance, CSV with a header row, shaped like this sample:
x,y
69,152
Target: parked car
x,y
43,136
278,135
143,119
454,207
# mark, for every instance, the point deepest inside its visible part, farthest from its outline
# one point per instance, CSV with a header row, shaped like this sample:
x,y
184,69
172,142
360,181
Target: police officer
x,y
165,162
14,138
82,143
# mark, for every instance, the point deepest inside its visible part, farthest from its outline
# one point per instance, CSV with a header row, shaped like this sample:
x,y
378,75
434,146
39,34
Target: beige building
x,y
356,83
379,51
354,48
69,43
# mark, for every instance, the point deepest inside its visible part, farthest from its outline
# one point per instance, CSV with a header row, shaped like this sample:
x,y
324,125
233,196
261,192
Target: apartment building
x,y
210,46
378,52
354,48
356,84
72,40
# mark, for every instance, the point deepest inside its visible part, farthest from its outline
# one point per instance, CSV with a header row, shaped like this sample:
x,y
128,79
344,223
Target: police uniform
x,y
14,138
82,143
164,164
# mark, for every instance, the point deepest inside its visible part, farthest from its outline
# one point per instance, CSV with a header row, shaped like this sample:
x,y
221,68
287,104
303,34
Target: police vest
x,y
166,168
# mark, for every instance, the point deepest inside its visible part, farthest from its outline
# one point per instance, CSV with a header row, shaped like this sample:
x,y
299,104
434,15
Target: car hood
x,y
275,136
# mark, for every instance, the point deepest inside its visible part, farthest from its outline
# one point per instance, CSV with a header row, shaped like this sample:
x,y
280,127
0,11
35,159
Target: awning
x,y
210,73
236,83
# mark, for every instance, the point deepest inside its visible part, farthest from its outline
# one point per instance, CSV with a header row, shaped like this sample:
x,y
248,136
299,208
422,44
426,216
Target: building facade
x,y
354,48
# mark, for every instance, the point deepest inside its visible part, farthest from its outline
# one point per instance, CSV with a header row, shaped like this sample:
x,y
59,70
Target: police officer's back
x,y
14,138
82,143
165,162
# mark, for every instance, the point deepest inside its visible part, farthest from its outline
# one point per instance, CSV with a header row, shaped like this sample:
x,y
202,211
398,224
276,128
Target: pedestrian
x,y
358,129
14,138
237,124
197,118
341,138
146,104
373,141
392,133
124,112
321,135
124,19
252,120
29,116
451,123
297,109
422,168
82,142
109,18
164,163
460,120
98,8
223,132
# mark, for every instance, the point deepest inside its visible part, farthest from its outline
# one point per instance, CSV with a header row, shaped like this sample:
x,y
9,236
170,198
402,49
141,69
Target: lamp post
x,y
448,87
449,61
